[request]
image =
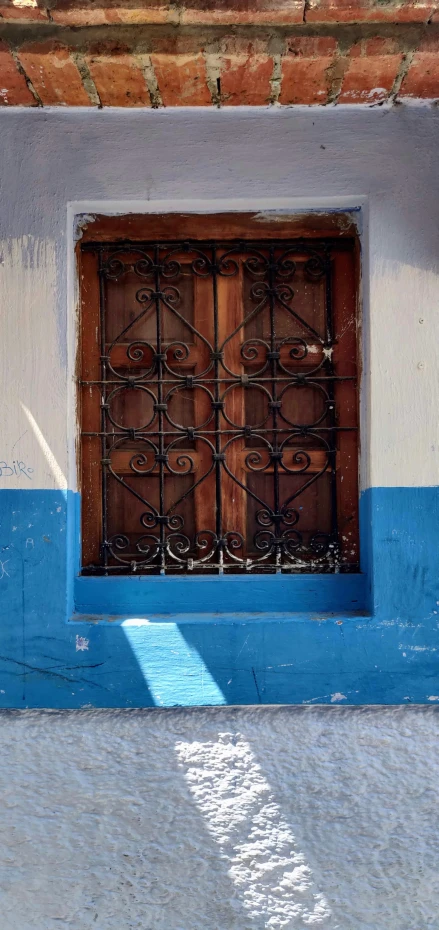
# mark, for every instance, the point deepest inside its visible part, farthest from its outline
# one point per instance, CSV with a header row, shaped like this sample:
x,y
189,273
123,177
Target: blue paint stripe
x,y
287,655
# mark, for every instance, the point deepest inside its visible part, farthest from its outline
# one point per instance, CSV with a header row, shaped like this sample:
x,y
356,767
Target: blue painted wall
x,y
385,654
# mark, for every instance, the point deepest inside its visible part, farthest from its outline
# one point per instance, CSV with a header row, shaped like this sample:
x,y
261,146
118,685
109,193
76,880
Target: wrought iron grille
x,y
218,419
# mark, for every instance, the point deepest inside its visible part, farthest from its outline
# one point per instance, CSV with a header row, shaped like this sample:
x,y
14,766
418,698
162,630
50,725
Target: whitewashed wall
x,y
384,159
228,819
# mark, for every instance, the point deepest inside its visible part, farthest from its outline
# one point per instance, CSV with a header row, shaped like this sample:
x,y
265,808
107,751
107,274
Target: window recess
x,y
219,400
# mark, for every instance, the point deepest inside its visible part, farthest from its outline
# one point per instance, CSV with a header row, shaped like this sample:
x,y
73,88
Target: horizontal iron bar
x,y
219,568
255,381
234,432
120,245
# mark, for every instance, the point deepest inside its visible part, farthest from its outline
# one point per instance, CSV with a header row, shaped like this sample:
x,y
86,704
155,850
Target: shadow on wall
x,y
387,155
156,821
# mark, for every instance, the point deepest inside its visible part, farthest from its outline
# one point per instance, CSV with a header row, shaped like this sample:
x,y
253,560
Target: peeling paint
x,y
82,221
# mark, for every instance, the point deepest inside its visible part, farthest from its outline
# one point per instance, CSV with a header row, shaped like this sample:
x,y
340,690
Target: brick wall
x,y
217,52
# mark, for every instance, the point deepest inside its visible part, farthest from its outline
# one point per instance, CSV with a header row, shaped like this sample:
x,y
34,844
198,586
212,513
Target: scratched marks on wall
x,y
15,468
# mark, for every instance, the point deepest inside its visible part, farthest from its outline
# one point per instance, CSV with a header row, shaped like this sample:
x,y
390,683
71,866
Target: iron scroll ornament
x,y
272,365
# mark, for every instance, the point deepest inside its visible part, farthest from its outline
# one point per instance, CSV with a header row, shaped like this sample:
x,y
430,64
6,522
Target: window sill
x,y
243,595
220,617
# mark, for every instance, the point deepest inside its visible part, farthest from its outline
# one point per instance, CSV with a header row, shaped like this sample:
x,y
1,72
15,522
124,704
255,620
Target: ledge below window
x,y
242,594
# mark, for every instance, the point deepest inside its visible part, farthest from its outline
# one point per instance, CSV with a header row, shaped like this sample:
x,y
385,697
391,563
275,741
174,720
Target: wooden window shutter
x,y
219,407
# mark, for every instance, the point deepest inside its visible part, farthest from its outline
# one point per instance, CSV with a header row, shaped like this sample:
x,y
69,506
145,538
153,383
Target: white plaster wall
x,y
220,819
384,159
33,374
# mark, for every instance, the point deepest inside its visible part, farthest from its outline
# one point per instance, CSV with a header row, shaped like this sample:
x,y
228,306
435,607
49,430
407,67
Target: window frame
x,y
105,596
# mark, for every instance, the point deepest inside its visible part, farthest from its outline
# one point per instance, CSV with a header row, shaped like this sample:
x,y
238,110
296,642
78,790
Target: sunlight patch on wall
x,y
169,682
57,472
271,876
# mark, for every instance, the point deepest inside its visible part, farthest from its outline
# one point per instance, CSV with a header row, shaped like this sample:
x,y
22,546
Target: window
x,y
219,415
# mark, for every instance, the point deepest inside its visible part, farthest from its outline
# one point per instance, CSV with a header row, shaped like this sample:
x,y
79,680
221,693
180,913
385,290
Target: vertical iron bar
x,y
218,500
276,502
160,402
104,490
331,394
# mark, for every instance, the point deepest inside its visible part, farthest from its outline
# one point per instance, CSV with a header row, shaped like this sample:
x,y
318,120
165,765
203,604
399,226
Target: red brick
x,y
305,76
13,88
245,72
33,10
118,78
92,13
422,79
370,11
371,71
191,12
53,74
239,12
181,79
